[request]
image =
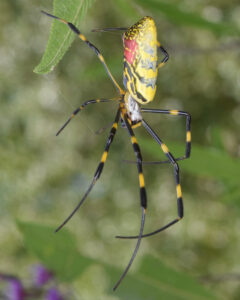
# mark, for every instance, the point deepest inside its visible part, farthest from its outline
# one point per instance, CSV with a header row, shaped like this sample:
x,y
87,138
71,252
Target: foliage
x,y
61,38
43,177
153,280
178,16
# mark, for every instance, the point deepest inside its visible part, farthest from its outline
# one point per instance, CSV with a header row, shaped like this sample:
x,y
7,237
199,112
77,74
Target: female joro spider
x,y
139,78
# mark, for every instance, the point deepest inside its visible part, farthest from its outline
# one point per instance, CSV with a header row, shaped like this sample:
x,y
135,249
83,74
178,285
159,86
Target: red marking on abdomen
x,y
130,49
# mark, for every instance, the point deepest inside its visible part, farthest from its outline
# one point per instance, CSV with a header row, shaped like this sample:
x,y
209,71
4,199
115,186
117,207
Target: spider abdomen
x,y
140,60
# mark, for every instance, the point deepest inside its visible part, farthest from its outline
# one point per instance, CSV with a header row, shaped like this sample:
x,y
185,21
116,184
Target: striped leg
x,y
143,195
138,155
178,186
188,130
110,29
76,111
166,56
84,39
99,168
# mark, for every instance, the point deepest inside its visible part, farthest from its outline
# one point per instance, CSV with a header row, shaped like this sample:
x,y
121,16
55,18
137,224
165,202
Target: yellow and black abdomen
x,y
140,60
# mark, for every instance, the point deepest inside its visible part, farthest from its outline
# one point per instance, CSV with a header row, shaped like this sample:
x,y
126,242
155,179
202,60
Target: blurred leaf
x,y
178,284
61,37
57,251
204,161
233,194
216,139
126,8
177,16
95,71
154,280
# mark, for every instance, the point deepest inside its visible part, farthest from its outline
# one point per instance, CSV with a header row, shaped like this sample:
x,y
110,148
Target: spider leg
x,y
110,29
188,130
166,56
99,168
178,186
84,39
188,134
76,111
143,195
135,250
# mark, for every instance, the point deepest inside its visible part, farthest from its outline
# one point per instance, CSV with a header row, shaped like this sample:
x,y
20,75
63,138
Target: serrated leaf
x,y
177,16
61,37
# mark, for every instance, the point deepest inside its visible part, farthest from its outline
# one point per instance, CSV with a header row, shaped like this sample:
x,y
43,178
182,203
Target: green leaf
x,y
177,16
154,280
177,285
97,72
215,137
61,37
57,251
126,8
233,194
204,161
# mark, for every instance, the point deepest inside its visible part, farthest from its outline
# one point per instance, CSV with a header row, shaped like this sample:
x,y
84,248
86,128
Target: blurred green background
x,y
42,177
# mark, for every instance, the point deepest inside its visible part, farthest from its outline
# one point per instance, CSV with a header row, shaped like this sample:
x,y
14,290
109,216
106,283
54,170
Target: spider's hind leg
x,y
98,170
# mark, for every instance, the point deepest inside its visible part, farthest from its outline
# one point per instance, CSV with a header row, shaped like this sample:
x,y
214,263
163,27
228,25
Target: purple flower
x,y
41,275
53,294
15,290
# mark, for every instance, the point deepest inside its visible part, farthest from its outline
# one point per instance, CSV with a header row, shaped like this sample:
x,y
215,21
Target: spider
x,y
140,70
